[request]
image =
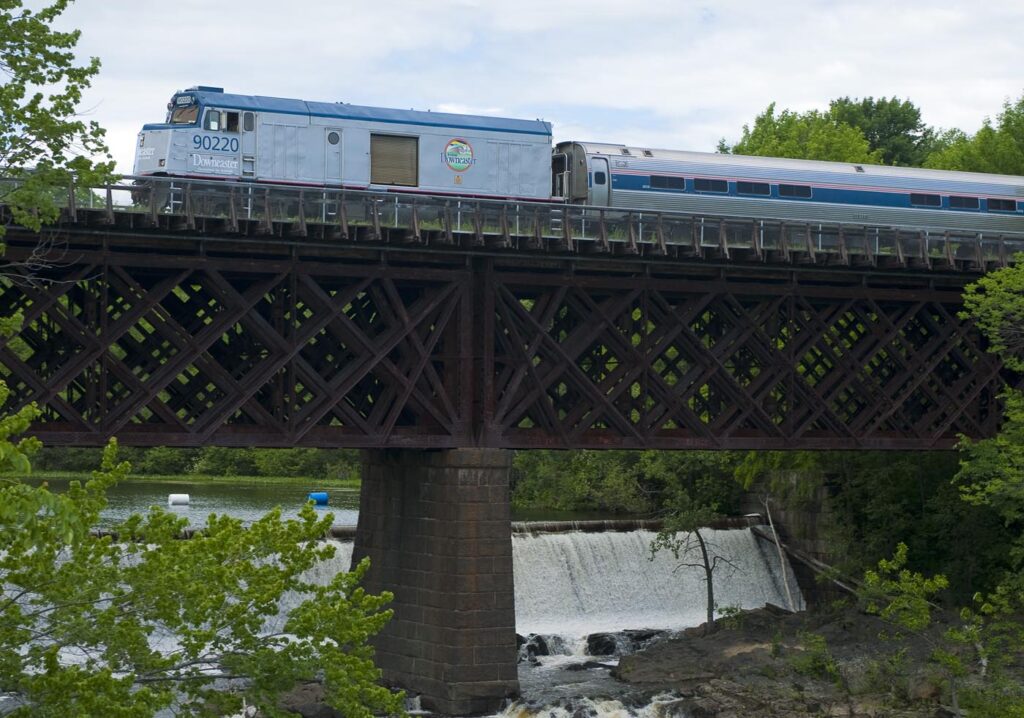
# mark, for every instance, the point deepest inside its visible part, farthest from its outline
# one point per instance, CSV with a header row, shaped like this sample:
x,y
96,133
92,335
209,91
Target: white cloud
x,y
647,72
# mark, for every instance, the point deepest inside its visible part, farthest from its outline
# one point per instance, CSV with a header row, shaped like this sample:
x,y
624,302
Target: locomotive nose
x,y
150,153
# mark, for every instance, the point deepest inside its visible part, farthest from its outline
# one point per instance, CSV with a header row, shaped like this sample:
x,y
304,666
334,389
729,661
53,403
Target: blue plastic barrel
x,y
318,497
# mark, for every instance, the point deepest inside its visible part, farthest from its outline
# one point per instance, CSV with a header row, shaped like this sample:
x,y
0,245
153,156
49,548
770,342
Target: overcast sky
x,y
676,75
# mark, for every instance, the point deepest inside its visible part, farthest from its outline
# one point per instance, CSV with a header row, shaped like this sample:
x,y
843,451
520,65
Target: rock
x,y
924,687
586,666
602,644
307,700
535,645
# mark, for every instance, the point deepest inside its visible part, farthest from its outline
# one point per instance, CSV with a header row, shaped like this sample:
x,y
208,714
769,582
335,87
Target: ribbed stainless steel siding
x,y
815,211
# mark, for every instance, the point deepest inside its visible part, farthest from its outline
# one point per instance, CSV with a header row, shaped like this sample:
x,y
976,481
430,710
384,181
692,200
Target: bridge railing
x,y
374,216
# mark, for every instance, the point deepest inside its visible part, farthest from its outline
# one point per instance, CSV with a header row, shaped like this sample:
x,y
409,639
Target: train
x,y
213,135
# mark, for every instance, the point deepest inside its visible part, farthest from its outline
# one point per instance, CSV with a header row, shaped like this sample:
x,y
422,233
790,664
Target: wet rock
x,y
586,666
602,644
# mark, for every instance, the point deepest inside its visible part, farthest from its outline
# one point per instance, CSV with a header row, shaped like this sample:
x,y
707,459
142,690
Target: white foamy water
x,y
572,584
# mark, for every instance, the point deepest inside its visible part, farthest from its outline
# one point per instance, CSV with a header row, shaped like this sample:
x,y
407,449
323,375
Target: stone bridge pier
x,y
437,528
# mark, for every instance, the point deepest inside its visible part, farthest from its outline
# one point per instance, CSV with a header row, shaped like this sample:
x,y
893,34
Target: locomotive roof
x,y
344,111
797,171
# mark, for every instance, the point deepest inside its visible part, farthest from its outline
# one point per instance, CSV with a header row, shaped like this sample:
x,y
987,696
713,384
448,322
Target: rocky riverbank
x,y
771,664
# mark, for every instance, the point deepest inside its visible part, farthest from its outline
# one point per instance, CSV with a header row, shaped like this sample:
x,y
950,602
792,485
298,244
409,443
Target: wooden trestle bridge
x,y
270,316
198,314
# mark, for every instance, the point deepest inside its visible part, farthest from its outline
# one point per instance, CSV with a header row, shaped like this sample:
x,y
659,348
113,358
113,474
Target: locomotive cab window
x,y
710,185
212,120
248,121
1001,205
394,160
221,121
184,115
795,190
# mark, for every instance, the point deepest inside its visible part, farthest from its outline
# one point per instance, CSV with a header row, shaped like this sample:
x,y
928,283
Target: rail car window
x,y
760,188
394,160
600,178
925,200
710,185
799,191
1001,205
666,182
964,202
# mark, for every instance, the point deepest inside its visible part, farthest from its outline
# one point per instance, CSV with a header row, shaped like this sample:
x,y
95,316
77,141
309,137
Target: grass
x,y
303,481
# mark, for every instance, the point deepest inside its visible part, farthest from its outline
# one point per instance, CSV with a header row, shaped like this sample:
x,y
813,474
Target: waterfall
x,y
581,583
575,583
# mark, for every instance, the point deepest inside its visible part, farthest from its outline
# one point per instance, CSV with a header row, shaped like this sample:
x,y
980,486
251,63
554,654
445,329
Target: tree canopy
x,y
892,127
44,141
998,147
811,135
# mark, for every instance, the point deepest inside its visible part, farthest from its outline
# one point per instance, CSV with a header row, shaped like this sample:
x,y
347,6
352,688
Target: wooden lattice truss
x,y
185,347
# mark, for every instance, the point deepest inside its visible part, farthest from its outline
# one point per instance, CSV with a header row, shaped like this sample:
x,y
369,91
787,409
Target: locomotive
x,y
210,134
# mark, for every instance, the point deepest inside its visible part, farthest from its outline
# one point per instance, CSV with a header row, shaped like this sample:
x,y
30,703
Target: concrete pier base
x,y
437,528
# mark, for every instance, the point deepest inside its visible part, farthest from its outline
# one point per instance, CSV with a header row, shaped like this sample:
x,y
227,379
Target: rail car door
x,y
332,155
600,182
248,144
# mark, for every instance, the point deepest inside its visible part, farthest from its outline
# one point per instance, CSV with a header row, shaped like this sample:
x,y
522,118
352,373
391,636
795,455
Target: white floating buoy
x,y
177,499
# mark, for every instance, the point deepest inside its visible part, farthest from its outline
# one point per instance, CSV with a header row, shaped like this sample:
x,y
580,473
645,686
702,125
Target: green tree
x,y
680,533
44,143
998,147
996,305
892,127
93,626
811,135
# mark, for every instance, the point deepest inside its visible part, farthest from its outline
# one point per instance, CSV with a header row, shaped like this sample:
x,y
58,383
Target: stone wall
x,y
437,528
803,525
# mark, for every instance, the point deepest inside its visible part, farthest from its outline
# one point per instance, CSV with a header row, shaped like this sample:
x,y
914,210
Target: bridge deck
x,y
165,334
222,209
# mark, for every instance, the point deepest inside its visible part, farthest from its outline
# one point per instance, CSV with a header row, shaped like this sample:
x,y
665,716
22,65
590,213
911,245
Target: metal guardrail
x,y
355,215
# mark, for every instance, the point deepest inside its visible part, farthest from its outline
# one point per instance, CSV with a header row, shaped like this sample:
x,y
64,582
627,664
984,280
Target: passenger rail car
x,y
209,134
786,189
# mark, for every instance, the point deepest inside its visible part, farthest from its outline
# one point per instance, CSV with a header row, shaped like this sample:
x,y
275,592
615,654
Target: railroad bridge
x,y
436,334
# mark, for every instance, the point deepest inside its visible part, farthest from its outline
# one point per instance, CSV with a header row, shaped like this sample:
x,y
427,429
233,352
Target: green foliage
x,y
876,499
998,147
992,470
335,464
636,482
891,126
810,135
901,596
81,616
814,659
979,655
996,305
44,143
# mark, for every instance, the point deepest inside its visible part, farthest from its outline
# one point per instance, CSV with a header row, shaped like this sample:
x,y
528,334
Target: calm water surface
x,y
244,501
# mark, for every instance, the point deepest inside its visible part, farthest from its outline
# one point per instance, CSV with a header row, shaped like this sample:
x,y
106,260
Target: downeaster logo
x,y
458,155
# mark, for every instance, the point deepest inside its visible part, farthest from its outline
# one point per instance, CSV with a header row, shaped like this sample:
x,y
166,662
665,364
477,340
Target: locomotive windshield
x,y
182,110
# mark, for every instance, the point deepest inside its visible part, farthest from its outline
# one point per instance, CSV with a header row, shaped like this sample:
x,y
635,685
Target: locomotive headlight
x,y
142,140
162,162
